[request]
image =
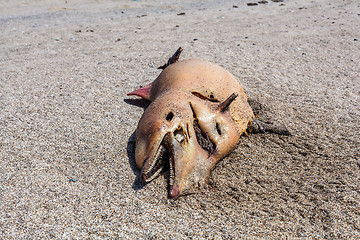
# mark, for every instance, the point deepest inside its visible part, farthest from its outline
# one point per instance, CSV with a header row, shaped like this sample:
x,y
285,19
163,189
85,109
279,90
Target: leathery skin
x,y
197,114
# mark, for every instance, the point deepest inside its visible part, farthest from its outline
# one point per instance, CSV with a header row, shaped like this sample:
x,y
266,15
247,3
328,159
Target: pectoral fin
x,y
143,92
225,104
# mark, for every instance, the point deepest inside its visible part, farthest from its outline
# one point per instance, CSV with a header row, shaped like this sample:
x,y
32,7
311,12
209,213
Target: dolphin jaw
x,y
189,139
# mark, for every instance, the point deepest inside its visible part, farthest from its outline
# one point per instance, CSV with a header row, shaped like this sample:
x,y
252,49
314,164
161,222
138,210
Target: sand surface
x,y
67,134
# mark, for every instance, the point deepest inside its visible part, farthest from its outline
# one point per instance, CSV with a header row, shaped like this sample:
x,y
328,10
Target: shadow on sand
x,y
137,184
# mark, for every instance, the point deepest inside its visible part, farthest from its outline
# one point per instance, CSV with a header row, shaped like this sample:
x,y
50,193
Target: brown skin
x,y
186,106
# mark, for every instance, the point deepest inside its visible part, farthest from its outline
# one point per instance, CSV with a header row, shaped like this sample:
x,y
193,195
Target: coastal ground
x,y
67,129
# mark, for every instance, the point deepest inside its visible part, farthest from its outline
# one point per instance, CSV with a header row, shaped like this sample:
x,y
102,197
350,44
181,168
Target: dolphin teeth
x,y
201,136
171,173
155,165
171,156
203,139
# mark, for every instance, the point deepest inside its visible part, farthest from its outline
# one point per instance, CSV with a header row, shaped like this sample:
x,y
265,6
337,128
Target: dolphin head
x,y
186,133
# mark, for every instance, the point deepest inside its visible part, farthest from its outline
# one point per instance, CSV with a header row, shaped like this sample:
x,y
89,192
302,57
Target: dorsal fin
x,y
173,59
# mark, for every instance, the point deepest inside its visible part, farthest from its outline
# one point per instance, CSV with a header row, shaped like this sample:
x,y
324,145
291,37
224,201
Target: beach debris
x,y
198,112
87,30
259,2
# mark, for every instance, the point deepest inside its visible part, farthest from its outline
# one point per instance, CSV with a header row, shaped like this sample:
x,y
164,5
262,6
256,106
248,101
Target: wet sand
x,y
67,131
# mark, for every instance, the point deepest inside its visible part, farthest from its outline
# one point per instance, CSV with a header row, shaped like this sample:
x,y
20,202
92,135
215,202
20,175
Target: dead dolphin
x,y
197,114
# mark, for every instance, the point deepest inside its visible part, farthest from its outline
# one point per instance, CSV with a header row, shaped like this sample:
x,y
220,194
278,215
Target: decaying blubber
x,y
198,112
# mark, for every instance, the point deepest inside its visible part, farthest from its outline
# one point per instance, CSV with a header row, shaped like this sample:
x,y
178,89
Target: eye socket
x,y
218,128
169,116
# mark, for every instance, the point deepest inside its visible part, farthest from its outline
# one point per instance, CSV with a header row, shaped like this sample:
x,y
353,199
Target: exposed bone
x,y
179,136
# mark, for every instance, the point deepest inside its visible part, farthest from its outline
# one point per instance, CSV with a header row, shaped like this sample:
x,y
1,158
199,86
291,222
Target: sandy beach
x,y
67,127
